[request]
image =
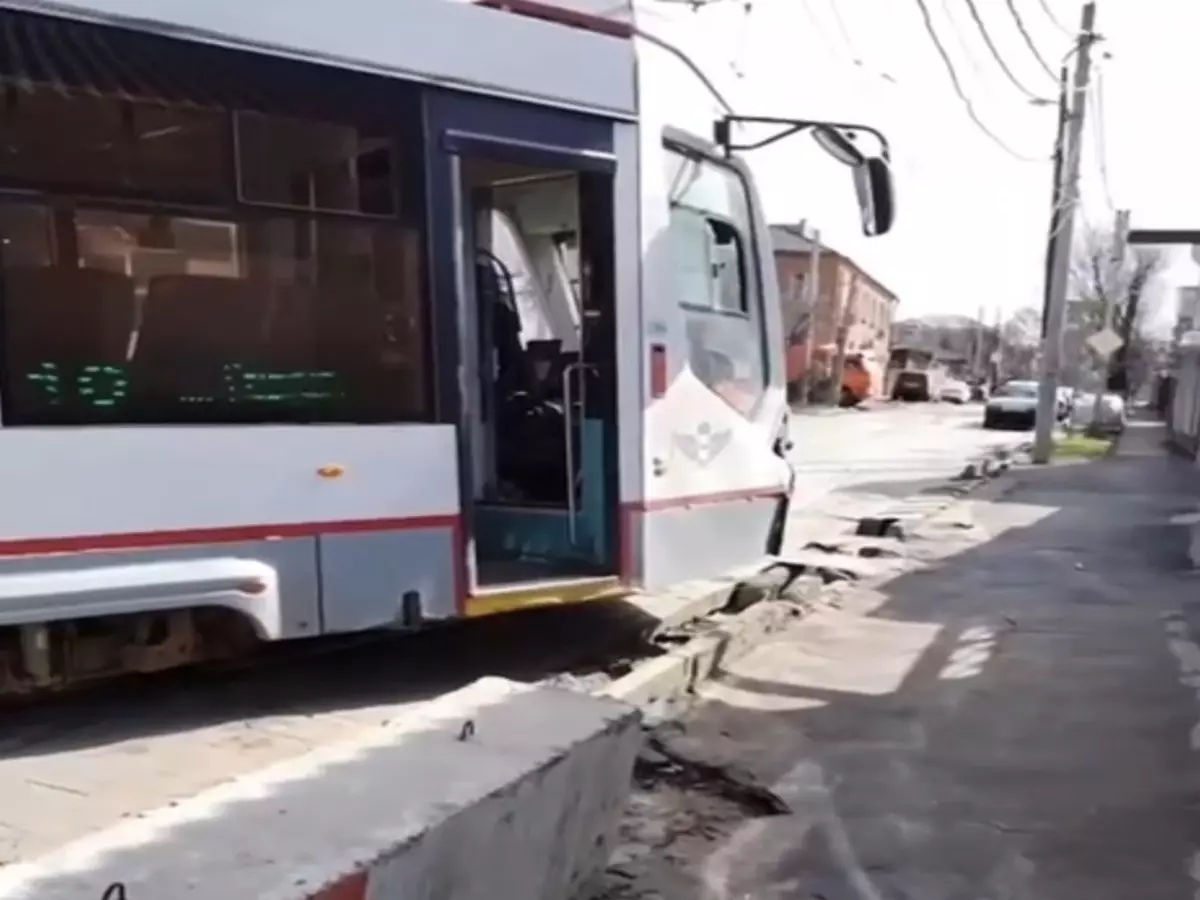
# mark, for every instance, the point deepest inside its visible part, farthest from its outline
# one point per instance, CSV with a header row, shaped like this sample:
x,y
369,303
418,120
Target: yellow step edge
x,y
504,599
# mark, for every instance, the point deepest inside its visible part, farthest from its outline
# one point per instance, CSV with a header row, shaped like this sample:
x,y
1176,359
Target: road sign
x,y
1105,343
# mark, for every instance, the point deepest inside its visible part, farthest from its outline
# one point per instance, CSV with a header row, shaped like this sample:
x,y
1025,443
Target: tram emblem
x,y
704,444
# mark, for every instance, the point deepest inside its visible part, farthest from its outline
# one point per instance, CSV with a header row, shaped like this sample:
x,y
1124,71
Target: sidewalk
x,y
1015,718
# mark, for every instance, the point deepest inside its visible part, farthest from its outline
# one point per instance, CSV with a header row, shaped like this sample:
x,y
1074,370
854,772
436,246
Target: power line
x,y
1029,42
735,62
821,31
963,44
1099,134
664,44
845,32
1044,4
852,45
927,19
996,55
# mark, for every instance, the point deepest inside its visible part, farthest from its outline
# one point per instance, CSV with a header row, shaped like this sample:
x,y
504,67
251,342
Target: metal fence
x,y
1183,406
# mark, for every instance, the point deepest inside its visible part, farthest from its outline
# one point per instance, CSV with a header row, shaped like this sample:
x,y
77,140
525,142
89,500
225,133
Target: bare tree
x,y
1103,281
1024,327
1017,344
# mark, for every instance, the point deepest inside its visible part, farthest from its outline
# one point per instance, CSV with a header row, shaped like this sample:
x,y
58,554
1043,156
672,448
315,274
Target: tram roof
x,y
539,52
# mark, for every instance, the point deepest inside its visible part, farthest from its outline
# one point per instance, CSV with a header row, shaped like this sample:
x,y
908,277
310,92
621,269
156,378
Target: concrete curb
x,y
663,687
497,790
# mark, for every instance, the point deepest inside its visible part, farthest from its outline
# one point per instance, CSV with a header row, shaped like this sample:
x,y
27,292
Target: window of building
x,y
157,281
798,312
716,277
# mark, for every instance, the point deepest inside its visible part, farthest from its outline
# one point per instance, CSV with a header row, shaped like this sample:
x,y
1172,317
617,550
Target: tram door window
x,y
544,418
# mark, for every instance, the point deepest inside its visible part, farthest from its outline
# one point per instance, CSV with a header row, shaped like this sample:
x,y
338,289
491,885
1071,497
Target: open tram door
x,y
521,212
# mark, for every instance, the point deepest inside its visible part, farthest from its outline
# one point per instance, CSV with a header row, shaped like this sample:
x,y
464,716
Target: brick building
x,y
847,297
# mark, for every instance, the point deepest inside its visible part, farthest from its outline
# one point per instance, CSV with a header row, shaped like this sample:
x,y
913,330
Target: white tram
x,y
318,318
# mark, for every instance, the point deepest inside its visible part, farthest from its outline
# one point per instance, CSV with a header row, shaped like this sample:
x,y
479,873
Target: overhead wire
x,y
856,58
819,29
666,45
845,33
847,51
927,20
1045,5
1100,136
735,62
843,29
969,55
1028,38
997,55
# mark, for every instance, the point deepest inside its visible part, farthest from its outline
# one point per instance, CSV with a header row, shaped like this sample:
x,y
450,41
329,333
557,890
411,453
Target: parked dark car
x,y
1012,405
912,387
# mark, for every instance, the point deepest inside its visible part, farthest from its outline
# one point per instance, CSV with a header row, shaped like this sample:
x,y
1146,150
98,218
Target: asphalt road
x,y
851,463
1011,717
78,764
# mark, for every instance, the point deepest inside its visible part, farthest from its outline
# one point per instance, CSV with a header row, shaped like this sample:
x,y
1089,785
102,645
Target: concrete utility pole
x,y
1060,137
979,355
996,369
812,296
843,336
1043,444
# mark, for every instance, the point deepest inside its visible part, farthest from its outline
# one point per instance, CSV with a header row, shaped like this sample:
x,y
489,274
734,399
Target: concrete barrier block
x,y
498,790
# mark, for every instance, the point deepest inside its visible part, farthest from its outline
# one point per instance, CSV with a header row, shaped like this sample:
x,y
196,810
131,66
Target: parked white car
x,y
1112,413
955,391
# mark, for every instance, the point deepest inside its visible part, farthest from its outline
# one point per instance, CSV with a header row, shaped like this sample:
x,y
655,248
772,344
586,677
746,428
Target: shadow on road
x,y
311,678
1006,721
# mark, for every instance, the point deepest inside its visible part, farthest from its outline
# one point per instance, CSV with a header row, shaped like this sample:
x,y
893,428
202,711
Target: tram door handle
x,y
569,434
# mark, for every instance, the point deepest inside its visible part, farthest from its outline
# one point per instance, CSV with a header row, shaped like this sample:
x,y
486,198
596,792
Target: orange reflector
x,y
252,586
332,471
658,370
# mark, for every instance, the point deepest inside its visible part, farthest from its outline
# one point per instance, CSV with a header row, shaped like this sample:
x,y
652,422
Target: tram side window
x,y
300,163
129,309
716,277
141,149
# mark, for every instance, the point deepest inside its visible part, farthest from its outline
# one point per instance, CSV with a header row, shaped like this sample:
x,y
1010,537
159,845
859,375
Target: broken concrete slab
x,y
855,566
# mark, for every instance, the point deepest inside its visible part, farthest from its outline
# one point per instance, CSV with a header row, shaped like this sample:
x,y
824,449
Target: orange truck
x,y
857,384
856,381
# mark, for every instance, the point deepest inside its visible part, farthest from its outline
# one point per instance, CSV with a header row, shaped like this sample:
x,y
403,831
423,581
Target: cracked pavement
x,y
1012,716
851,463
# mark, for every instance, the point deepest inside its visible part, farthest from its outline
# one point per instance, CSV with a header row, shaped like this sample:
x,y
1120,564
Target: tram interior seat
x,y
191,324
530,459
549,362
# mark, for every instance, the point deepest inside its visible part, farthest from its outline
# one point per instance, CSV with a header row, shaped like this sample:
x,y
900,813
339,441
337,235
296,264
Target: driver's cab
x,y
716,482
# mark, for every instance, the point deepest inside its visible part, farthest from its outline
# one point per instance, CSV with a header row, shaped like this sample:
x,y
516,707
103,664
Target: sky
x,y
971,220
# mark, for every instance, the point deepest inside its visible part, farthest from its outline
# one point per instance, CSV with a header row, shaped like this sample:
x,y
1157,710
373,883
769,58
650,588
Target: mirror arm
x,y
723,132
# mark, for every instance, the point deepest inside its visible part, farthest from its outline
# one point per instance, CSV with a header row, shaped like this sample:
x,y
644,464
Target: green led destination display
x,y
108,388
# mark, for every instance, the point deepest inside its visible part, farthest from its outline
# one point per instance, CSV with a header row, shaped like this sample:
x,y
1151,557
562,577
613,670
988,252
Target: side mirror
x,y
876,195
872,177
